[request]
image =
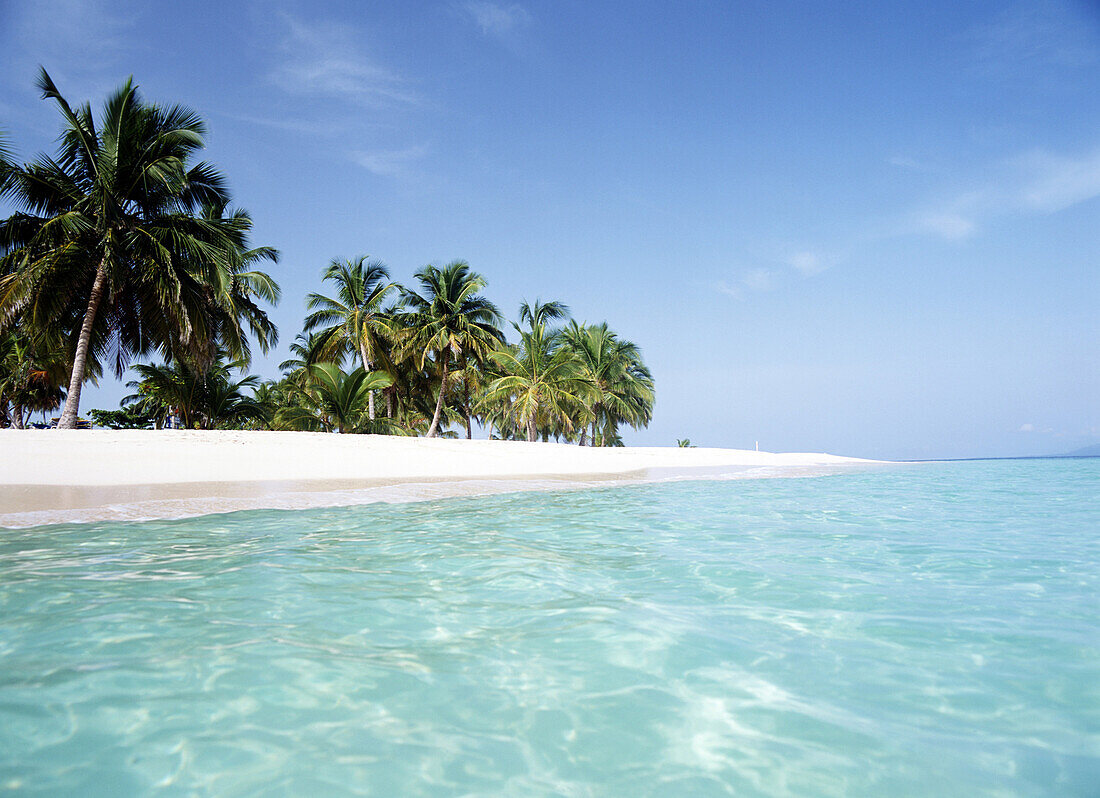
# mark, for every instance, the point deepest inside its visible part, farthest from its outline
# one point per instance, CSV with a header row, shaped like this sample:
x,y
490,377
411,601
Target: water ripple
x,y
927,631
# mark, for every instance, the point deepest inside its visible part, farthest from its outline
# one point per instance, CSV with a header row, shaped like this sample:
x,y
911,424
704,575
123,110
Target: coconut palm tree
x,y
541,313
33,370
234,311
112,244
303,353
621,386
335,401
542,382
450,322
7,167
356,321
204,397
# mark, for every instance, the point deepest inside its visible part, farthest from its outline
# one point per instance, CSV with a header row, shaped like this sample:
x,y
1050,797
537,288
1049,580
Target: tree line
x,y
125,249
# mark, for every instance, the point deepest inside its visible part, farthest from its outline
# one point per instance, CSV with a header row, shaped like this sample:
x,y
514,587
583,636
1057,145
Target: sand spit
x,y
54,476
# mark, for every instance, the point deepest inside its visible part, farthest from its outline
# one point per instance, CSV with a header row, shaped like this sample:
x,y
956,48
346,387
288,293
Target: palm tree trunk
x,y
584,435
466,407
17,417
434,428
367,365
532,433
80,357
389,402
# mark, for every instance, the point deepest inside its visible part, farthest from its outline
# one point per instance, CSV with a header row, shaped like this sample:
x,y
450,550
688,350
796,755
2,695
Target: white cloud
x,y
759,279
951,226
388,163
807,263
1036,182
498,21
1057,182
326,58
730,290
755,280
1029,183
1041,430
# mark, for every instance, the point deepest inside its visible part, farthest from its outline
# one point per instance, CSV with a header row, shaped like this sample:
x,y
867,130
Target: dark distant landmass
x,y
1088,451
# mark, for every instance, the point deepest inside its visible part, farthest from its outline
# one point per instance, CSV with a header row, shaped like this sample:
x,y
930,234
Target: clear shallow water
x,y
926,630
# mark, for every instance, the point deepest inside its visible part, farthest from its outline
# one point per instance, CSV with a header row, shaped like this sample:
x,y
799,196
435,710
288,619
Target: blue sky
x,y
864,228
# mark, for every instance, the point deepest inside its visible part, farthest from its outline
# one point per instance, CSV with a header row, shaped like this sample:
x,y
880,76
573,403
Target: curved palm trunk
x,y
434,428
80,357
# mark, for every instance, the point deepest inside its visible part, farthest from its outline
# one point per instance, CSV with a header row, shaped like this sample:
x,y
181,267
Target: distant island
x,y
1087,451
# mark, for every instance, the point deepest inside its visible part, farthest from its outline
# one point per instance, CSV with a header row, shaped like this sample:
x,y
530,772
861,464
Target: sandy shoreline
x,y
56,476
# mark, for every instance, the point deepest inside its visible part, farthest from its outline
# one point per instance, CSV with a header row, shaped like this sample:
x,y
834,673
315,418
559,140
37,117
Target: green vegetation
x,y
126,249
124,246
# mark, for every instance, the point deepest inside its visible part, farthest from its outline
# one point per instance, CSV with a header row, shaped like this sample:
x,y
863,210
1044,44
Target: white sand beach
x,y
52,476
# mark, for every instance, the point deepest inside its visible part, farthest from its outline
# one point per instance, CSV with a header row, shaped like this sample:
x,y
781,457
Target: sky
x,y
857,227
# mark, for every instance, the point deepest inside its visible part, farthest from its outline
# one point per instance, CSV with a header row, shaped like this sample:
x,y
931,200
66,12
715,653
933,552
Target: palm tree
x,y
203,397
112,244
540,313
621,386
296,368
33,369
235,307
541,384
335,400
355,321
450,322
7,168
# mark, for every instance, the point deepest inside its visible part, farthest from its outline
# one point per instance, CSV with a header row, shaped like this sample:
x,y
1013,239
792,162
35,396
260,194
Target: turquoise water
x,y
922,630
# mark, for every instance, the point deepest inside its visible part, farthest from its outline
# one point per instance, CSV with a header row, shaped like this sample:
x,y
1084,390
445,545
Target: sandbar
x,y
58,476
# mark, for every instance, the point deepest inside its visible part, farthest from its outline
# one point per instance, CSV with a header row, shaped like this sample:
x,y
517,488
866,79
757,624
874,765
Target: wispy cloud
x,y
1056,182
774,271
83,43
945,224
389,163
1029,183
759,279
324,58
1035,35
808,263
908,163
756,280
497,21
307,127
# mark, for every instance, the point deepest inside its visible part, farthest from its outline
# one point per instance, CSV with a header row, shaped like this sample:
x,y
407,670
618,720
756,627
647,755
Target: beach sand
x,y
55,476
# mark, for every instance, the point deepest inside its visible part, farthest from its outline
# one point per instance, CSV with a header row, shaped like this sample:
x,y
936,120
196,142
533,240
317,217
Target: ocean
x,y
924,629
